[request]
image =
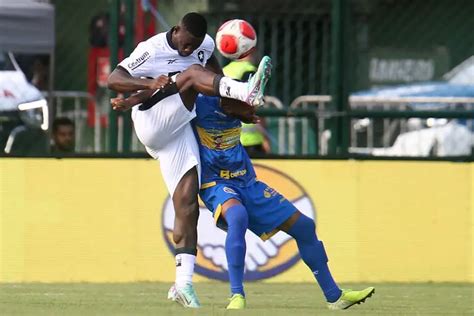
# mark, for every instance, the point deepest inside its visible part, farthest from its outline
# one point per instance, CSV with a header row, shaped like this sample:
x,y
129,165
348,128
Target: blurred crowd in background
x,y
393,62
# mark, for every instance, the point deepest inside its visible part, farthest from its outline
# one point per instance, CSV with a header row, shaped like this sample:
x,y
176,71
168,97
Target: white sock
x,y
184,269
231,88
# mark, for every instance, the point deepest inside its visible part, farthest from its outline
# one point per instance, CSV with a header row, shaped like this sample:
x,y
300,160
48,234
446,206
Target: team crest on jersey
x,y
264,259
201,56
229,190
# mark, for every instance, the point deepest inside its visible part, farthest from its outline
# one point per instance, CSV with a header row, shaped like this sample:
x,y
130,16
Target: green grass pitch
x,y
262,299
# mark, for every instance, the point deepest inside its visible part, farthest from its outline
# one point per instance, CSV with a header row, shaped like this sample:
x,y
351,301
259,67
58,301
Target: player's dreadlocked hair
x,y
195,24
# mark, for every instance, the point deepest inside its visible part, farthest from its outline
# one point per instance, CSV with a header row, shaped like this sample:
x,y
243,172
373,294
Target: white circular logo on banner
x,y
263,259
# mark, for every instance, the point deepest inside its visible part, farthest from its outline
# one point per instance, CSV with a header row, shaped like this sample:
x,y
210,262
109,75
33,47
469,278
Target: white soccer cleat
x,y
258,82
185,296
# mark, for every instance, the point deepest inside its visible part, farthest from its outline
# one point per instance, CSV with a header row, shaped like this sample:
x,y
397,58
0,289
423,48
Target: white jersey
x,y
164,128
157,56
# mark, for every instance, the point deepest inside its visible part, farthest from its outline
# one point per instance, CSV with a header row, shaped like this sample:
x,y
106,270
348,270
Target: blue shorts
x,y
267,209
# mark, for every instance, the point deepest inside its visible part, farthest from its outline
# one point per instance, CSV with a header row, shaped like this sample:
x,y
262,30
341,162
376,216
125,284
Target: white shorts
x,y
160,124
168,136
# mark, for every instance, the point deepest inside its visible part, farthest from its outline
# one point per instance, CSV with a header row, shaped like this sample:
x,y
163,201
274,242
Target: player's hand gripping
x,y
240,110
160,83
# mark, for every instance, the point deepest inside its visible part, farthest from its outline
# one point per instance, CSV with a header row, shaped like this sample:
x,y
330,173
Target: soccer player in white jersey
x,y
162,123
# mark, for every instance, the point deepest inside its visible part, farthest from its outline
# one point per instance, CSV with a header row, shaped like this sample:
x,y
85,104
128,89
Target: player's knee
x,y
240,219
188,200
187,214
186,204
237,216
186,207
243,221
303,231
307,223
306,227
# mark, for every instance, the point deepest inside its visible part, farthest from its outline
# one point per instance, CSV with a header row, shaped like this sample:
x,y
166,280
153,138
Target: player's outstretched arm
x,y
121,104
121,81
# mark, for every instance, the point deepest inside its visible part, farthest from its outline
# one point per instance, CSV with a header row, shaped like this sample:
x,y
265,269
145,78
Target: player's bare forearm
x,y
213,65
239,110
121,81
121,104
139,97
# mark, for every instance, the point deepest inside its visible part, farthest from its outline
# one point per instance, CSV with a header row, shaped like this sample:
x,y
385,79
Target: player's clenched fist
x,y
120,104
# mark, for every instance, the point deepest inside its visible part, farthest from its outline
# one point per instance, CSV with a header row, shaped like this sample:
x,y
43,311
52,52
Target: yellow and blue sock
x,y
235,247
314,256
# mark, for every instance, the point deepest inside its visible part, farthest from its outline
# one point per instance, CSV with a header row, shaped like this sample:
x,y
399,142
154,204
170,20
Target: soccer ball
x,y
236,39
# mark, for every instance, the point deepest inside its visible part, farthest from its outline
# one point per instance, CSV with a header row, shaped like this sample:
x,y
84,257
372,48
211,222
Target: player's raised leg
x,y
209,83
312,251
197,79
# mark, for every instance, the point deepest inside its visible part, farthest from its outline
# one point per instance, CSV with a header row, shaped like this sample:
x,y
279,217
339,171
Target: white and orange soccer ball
x,y
236,39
